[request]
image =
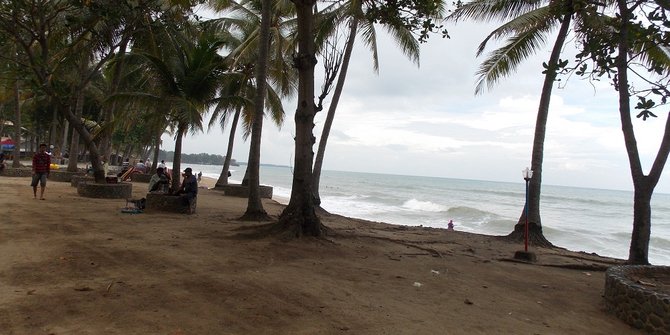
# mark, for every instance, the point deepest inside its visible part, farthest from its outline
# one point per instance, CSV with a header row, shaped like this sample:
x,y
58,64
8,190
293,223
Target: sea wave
x,y
423,206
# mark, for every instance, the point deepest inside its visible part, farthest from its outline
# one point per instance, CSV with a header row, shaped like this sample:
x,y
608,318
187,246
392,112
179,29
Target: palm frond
x,y
490,10
505,59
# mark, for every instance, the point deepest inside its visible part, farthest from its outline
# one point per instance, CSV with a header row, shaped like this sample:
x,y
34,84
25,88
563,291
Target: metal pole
x,y
526,228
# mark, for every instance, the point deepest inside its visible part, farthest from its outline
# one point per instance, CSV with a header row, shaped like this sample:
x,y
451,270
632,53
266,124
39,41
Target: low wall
x,y
237,190
161,202
106,191
62,176
16,172
632,295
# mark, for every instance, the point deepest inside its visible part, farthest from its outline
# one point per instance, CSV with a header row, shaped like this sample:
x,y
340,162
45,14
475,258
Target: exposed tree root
x,y
535,236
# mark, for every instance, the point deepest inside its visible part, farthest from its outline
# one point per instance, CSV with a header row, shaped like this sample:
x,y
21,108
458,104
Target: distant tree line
x,y
201,158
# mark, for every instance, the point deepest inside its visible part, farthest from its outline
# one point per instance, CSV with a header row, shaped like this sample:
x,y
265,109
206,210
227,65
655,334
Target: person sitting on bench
x,y
189,189
159,182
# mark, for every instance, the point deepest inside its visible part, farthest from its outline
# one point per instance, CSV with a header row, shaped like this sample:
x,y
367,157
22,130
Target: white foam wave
x,y
423,206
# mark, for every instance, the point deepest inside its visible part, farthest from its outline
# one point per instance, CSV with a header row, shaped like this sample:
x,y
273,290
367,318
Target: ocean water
x,y
580,219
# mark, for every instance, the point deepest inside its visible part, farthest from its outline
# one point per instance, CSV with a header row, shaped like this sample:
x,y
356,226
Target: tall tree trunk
x,y
157,148
108,115
535,235
54,126
299,216
17,125
66,128
176,159
318,162
223,178
643,185
74,144
255,210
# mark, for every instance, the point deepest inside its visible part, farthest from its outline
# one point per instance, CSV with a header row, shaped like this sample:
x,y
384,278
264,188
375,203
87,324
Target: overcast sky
x,y
427,121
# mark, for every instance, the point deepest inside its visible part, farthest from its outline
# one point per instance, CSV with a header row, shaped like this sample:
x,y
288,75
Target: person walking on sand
x,y
41,168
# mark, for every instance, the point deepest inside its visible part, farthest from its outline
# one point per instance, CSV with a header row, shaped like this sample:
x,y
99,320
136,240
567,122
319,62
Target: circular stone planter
x,y
640,296
106,191
76,179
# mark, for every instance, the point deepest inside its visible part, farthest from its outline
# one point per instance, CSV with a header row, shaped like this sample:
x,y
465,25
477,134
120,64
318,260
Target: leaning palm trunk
x,y
223,178
255,210
535,235
318,162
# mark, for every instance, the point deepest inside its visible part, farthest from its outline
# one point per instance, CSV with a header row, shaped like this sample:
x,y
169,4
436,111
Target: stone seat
x,y
163,202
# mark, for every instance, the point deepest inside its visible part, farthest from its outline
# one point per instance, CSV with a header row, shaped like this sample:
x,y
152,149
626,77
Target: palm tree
x,y
187,82
241,28
529,24
352,13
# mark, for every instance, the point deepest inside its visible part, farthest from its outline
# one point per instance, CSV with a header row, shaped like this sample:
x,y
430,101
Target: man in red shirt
x,y
41,168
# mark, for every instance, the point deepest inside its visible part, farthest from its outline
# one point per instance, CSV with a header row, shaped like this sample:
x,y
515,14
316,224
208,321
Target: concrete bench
x,y
162,202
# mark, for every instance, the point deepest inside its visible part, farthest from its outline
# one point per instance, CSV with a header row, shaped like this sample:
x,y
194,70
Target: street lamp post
x,y
527,174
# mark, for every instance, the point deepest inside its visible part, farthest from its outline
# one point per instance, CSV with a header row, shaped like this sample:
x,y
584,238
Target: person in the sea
x,y
189,189
450,225
41,169
159,182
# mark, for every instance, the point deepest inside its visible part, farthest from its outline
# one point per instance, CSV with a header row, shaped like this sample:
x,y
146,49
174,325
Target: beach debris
x,y
484,286
109,286
545,286
417,284
83,289
587,273
468,302
435,272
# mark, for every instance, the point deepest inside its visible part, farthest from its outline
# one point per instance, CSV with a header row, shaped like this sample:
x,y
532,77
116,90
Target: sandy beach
x,y
74,265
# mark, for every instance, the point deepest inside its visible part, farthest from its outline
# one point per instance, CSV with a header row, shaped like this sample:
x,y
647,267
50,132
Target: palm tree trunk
x,y
318,162
255,210
299,217
223,178
157,147
176,159
17,125
106,136
535,235
74,143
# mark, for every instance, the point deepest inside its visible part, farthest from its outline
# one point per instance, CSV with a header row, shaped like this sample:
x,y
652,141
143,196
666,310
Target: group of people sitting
x,y
160,183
